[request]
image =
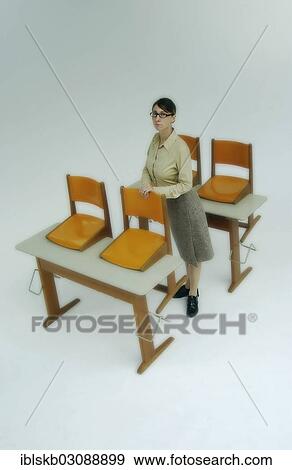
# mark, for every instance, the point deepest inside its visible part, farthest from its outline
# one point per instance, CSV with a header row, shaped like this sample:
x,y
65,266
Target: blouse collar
x,y
169,141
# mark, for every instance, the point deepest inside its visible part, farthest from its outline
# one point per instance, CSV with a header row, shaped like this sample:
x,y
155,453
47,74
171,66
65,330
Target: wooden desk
x,y
230,217
88,269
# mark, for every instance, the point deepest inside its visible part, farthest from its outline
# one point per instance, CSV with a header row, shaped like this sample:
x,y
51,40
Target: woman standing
x,y
168,171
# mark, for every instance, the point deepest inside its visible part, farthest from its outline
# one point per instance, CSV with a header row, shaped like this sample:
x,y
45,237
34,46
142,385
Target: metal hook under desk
x,y
159,320
160,317
31,281
249,248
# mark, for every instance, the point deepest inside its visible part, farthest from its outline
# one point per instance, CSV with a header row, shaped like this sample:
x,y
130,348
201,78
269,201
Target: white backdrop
x,y
114,58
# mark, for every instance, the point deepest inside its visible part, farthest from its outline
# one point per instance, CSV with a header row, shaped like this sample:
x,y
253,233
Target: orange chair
x,y
194,146
223,188
140,248
79,231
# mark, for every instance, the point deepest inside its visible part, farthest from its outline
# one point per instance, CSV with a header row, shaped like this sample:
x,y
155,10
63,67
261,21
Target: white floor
x,y
205,391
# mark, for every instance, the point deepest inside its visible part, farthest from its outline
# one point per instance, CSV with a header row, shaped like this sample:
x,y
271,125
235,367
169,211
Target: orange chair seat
x,y
135,249
221,188
77,232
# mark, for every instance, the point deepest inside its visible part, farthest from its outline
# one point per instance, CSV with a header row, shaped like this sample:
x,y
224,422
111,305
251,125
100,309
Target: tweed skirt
x,y
189,227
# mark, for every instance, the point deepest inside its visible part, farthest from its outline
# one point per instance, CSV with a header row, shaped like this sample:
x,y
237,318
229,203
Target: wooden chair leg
x,y
144,330
51,297
251,223
143,223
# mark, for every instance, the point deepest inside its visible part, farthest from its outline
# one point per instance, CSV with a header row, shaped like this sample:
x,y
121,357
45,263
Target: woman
x,y
168,171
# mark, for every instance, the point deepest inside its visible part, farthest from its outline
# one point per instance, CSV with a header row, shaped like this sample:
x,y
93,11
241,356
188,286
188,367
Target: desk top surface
x,y
239,211
90,264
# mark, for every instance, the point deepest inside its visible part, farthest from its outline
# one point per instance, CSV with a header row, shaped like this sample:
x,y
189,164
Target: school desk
x,y
88,269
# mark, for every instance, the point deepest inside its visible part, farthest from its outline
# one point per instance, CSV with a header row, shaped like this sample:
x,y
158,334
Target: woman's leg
x,y
193,277
188,276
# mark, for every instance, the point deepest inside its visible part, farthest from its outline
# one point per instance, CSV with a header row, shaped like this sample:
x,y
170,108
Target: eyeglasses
x,y
161,115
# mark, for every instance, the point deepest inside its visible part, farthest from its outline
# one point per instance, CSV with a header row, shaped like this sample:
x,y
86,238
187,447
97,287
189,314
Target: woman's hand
x,y
144,191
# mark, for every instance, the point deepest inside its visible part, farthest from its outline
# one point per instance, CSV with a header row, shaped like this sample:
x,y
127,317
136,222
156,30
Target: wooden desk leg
x,y
148,352
171,289
236,275
250,225
51,296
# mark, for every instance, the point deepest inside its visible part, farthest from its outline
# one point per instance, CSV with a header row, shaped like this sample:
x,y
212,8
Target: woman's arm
x,y
145,180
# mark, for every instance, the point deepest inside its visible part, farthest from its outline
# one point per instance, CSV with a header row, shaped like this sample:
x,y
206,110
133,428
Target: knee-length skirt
x,y
189,227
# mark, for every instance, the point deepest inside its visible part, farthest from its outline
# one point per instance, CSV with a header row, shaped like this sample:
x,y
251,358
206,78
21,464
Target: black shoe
x,y
192,305
182,292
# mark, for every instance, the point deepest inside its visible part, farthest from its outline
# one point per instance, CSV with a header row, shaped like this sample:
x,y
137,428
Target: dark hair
x,y
166,104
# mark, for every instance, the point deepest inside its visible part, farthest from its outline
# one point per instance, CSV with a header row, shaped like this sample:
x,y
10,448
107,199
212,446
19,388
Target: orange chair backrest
x,y
193,144
134,204
229,152
84,189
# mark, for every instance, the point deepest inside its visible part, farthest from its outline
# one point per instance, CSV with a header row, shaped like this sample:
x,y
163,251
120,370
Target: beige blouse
x,y
168,166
